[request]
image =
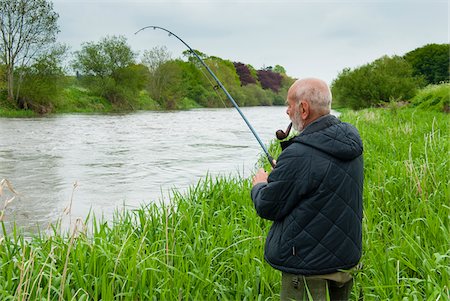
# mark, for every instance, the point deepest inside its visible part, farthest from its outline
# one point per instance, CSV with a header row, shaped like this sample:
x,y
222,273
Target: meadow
x,y
208,243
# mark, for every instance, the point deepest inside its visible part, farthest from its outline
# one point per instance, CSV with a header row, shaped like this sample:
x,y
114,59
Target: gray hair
x,y
316,92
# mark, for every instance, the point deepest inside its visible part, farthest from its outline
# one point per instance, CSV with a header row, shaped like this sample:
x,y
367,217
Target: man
x,y
314,198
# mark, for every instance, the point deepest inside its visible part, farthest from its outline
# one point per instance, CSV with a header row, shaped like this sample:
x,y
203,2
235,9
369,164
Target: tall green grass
x,y
74,99
208,243
407,210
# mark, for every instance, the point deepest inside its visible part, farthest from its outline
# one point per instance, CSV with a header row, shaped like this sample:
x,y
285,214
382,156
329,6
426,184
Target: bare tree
x,y
155,57
161,70
28,28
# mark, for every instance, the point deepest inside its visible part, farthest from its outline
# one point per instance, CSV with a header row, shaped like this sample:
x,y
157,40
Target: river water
x,y
126,159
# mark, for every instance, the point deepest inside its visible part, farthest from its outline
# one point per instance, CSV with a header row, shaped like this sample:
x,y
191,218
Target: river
x,y
122,159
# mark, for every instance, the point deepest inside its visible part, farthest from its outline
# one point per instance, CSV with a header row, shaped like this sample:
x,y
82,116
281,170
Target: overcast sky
x,y
307,38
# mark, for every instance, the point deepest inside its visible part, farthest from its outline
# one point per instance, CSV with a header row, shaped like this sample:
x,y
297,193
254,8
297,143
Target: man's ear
x,y
304,109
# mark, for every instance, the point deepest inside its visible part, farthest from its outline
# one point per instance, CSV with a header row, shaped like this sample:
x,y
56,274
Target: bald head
x,y
315,91
307,100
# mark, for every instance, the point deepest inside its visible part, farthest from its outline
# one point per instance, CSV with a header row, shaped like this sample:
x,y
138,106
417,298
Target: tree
x,y
431,61
244,74
28,28
269,79
155,57
161,74
192,58
279,69
108,68
102,59
43,81
384,80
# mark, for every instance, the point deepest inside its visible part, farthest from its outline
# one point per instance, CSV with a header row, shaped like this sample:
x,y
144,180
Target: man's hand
x,y
260,177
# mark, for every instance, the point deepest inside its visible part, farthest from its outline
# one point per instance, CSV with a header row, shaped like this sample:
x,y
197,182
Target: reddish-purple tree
x,y
244,74
269,79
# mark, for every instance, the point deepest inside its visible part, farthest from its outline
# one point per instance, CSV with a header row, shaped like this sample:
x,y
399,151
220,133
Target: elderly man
x,y
314,198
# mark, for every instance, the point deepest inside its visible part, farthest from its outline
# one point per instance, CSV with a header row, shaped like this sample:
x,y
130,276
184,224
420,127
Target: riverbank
x,y
75,99
208,243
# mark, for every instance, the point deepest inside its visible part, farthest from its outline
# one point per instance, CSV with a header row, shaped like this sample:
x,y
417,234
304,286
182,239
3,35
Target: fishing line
x,y
219,83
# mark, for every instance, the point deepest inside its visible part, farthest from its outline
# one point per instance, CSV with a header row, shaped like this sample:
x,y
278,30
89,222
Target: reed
x,y
208,243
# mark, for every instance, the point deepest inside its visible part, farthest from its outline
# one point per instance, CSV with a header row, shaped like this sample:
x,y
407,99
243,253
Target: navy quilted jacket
x,y
314,197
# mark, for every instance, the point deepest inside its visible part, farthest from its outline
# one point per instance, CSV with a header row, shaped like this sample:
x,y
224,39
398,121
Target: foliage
x,y
104,58
384,80
108,68
254,95
3,85
175,81
279,69
28,28
16,113
43,82
172,82
163,84
126,84
244,74
431,61
155,57
75,99
433,98
192,58
270,79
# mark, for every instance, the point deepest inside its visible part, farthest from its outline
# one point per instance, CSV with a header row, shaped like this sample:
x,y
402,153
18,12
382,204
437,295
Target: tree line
x,y
34,71
391,79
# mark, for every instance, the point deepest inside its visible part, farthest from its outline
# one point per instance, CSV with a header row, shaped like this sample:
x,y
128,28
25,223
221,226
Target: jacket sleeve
x,y
287,183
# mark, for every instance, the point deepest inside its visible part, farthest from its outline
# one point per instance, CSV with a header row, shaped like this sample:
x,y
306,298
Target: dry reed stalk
x,y
50,276
24,277
41,271
29,275
7,184
68,209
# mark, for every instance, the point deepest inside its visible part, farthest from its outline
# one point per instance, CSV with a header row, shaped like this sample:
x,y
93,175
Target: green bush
x,y
380,82
433,98
109,70
254,95
41,84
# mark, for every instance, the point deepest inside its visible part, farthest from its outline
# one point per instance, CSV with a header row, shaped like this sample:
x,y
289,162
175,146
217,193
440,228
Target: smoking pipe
x,y
283,135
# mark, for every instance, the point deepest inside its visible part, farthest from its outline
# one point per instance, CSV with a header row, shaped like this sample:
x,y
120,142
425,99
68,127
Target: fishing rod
x,y
269,157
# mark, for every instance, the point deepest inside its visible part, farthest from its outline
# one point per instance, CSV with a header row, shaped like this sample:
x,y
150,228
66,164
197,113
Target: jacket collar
x,y
319,124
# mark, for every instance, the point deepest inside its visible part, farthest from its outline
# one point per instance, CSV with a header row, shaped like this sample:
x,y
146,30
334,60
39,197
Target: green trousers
x,y
297,287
